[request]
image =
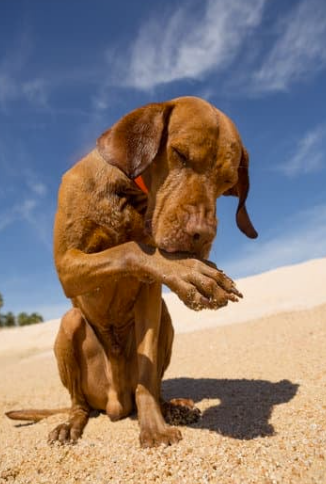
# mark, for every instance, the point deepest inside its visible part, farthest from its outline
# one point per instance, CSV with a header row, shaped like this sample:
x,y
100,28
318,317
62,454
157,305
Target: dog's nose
x,y
200,232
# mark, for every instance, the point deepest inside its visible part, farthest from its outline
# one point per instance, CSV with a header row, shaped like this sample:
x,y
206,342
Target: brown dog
x,y
115,245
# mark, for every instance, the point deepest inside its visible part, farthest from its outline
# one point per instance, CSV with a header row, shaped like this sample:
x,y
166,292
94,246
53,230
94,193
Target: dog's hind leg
x,y
77,351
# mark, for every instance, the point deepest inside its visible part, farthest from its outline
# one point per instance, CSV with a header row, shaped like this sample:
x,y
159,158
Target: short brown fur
x,y
114,247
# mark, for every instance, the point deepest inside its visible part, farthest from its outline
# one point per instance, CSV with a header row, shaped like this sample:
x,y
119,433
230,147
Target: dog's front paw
x,y
65,433
154,438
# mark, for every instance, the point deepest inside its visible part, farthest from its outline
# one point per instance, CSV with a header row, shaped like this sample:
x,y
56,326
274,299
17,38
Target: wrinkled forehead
x,y
193,126
191,116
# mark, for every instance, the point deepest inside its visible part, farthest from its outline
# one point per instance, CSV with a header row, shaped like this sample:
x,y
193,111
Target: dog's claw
x,y
235,291
168,436
65,433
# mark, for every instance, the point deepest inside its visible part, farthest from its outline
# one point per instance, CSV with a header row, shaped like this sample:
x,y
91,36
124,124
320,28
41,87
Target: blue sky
x,y
68,70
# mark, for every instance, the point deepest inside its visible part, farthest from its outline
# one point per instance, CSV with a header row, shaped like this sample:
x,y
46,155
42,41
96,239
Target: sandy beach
x,y
256,370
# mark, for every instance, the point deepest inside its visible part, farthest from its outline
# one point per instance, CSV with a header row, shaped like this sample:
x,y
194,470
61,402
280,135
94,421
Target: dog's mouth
x,y
199,253
178,241
177,251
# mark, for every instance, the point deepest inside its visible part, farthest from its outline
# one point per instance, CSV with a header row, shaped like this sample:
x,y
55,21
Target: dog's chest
x,y
110,311
112,304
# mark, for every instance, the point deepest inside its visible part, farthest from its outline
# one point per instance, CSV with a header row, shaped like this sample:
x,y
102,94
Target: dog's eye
x,y
181,156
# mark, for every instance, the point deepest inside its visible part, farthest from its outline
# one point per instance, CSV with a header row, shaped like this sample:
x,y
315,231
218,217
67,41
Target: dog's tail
x,y
34,415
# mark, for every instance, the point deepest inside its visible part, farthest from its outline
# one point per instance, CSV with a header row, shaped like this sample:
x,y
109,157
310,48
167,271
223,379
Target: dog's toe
x,y
168,436
64,434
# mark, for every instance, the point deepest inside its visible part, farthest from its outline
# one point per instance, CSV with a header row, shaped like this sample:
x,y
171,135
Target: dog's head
x,y
189,153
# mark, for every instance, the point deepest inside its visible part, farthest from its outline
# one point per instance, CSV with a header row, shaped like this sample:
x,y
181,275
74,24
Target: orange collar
x,y
141,184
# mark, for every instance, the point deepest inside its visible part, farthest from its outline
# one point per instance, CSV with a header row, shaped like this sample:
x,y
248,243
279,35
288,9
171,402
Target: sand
x,y
260,385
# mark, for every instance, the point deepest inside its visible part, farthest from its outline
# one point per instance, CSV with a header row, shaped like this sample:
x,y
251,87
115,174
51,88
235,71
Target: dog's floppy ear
x,y
134,141
241,190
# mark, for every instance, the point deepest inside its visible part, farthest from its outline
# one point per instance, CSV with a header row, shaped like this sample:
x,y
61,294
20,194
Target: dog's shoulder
x,y
98,205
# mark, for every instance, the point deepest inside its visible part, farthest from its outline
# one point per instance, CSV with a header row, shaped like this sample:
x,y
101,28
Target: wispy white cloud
x,y
38,187
301,238
35,184
23,193
34,86
30,212
309,154
12,89
36,91
183,46
19,211
15,84
299,52
16,166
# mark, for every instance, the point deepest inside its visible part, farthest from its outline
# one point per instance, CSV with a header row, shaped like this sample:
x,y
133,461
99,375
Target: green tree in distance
x,y
9,319
23,319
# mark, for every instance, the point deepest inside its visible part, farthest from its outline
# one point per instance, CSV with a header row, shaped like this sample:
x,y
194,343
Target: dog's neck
x,y
139,181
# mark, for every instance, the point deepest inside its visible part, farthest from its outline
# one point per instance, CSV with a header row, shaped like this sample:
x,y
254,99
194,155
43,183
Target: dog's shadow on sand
x,y
245,406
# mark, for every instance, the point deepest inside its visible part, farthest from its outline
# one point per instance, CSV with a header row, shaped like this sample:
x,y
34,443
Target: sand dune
x,y
290,288
260,385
